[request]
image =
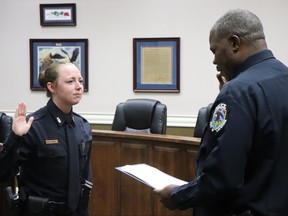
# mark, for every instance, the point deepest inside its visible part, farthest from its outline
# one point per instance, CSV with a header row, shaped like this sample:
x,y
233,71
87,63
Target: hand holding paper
x,y
165,196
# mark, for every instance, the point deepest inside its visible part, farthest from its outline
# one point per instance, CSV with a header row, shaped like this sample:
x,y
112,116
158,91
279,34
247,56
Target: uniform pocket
x,y
51,151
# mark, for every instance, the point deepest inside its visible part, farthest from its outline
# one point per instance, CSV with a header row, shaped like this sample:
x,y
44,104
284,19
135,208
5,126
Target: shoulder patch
x,y
219,117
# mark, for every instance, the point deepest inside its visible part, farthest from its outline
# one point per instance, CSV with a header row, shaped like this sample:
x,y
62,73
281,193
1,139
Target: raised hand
x,y
20,126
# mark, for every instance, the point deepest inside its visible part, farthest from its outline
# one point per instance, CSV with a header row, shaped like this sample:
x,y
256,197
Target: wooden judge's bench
x,y
116,194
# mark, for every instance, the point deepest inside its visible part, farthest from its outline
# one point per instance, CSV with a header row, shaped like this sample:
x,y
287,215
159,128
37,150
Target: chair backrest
x,y
202,120
140,115
5,126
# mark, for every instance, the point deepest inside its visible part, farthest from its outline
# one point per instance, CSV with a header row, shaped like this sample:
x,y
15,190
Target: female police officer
x,y
242,161
54,154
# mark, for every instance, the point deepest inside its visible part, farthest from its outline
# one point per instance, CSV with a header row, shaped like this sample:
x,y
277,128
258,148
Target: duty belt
x,y
56,207
42,205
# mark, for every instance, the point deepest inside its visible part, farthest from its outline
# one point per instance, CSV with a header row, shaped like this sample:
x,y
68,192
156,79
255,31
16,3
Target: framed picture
x,y
46,51
156,64
58,14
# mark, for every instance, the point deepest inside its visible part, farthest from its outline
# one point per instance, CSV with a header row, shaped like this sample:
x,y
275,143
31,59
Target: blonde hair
x,y
50,74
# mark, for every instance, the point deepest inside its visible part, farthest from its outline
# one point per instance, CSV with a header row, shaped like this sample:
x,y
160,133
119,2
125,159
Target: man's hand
x,y
164,196
222,80
20,127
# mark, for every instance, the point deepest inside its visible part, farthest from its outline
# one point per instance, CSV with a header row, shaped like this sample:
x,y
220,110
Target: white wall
x,y
110,26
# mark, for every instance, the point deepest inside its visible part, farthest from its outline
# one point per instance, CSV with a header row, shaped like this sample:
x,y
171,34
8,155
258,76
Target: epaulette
x,y
39,114
85,120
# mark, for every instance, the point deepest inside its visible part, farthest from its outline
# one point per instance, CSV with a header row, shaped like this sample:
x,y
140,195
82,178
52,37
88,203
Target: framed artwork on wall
x,y
47,51
58,14
156,65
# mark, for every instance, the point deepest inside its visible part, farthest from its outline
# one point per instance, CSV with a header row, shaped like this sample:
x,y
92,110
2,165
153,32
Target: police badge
x,y
219,117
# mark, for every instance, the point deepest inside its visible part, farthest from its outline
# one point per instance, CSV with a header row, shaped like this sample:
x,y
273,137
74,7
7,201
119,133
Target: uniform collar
x,y
59,116
255,59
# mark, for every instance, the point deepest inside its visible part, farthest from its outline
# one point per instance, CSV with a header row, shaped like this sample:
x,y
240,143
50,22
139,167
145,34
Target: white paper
x,y
150,175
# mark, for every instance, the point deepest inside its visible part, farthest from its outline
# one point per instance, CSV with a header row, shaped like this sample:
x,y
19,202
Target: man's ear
x,y
235,42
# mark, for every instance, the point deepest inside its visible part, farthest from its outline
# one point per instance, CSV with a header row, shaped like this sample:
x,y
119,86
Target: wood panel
x,y
103,198
117,194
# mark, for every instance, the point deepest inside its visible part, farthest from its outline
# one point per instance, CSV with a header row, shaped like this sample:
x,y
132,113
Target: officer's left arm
x,y
222,158
86,172
86,169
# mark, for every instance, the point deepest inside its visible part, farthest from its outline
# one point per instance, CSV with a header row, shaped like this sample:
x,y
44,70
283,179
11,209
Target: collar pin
x,y
59,120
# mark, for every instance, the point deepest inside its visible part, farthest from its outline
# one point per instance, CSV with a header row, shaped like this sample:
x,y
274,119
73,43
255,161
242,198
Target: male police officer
x,y
242,161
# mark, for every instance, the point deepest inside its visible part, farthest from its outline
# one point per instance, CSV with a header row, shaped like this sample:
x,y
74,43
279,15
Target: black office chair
x,y
203,119
140,115
5,129
5,126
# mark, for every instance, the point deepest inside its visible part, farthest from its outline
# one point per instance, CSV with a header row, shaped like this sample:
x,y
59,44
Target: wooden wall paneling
x,y
116,194
191,163
172,160
104,157
135,197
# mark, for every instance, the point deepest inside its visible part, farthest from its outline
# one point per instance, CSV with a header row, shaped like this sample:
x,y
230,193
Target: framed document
x,y
58,14
47,51
156,64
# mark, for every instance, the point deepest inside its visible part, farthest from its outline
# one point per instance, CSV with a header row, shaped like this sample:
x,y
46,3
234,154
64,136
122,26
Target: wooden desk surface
x,y
142,136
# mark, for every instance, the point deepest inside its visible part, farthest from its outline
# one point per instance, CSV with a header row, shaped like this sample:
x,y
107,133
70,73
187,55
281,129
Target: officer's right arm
x,y
9,154
9,157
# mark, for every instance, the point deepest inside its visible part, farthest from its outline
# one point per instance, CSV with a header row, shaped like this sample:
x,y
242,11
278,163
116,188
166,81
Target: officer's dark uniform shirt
x,y
9,157
43,153
243,157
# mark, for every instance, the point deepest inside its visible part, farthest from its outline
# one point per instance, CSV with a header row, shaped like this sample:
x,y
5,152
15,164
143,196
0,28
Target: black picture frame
x,y
156,64
47,51
57,14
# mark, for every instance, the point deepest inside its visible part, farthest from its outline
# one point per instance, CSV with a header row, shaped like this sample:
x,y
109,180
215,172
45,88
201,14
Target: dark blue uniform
x,y
44,156
9,157
243,157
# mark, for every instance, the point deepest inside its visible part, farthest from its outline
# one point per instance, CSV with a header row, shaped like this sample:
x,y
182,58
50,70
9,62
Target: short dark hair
x,y
240,22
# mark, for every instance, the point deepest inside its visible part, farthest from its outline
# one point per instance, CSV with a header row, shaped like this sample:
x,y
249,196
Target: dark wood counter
x,y
117,194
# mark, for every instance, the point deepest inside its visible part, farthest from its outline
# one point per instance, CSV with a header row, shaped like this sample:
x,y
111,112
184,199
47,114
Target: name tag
x,y
51,142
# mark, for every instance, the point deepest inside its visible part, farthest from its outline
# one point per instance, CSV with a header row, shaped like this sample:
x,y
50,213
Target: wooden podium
x,y
116,194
